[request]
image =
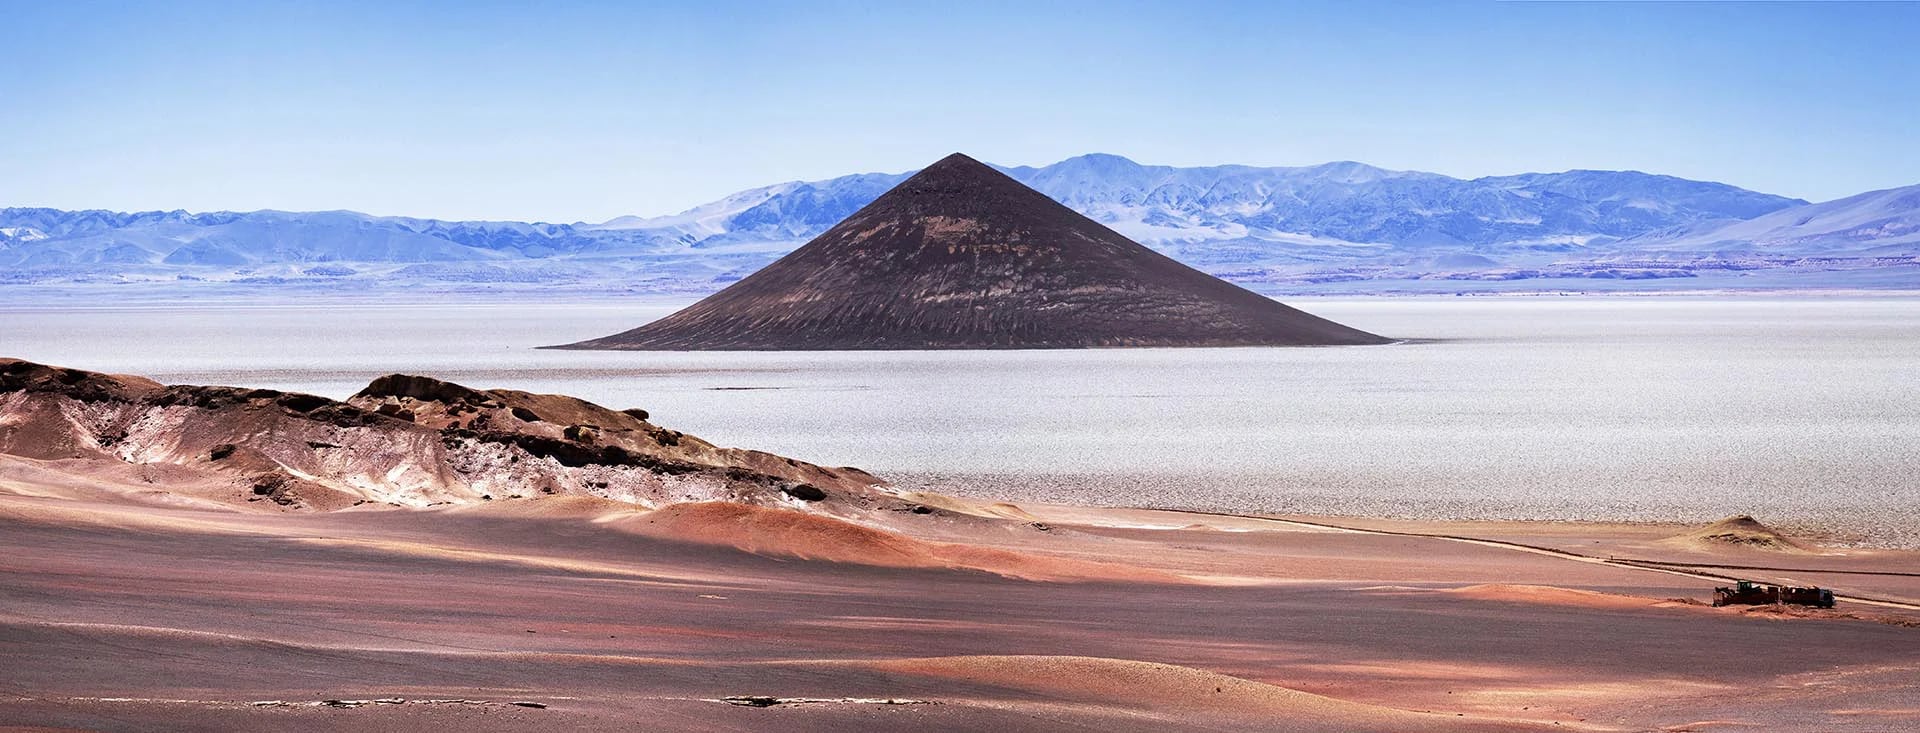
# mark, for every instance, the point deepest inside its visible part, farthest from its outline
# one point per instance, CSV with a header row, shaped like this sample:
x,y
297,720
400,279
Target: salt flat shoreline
x,y
1796,410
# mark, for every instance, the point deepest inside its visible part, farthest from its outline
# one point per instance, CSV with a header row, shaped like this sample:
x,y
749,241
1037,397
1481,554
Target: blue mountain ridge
x,y
1329,223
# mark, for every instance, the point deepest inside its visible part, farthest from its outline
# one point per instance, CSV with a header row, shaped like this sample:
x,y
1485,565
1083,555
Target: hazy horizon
x,y
654,214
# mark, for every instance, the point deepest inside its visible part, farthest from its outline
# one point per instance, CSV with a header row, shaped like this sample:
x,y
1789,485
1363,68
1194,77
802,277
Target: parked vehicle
x,y
1749,593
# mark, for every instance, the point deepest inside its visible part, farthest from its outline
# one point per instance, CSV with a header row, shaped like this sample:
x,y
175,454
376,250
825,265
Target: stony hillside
x,y
404,440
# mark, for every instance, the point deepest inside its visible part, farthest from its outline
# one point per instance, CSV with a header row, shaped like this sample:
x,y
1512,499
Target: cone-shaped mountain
x,y
960,256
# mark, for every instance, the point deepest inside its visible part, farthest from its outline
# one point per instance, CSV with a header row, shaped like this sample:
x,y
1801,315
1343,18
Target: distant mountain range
x,y
1336,204
1876,223
1336,227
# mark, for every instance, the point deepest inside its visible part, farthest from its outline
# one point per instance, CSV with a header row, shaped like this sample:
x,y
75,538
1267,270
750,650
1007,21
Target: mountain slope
x,y
1334,204
1331,227
961,256
1873,223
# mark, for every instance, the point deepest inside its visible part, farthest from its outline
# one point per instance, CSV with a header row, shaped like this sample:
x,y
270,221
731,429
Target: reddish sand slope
x,y
121,616
790,533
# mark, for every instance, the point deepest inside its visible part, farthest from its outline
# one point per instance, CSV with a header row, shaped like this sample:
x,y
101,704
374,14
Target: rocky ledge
x,y
405,440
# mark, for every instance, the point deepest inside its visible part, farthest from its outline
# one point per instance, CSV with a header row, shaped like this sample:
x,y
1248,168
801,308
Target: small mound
x,y
791,533
1739,531
420,388
278,487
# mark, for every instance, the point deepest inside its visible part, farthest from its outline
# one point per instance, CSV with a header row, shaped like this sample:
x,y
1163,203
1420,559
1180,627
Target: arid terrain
x,y
426,556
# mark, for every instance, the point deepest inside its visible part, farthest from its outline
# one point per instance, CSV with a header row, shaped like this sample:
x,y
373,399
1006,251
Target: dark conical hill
x,y
960,256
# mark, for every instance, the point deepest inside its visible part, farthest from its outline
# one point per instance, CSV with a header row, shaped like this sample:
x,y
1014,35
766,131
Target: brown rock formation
x,y
405,440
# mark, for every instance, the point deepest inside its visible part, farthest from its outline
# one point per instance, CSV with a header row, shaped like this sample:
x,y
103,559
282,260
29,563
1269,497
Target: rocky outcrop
x,y
404,440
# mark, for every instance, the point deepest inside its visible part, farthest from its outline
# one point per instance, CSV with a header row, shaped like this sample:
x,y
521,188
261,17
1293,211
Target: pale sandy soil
x,y
122,608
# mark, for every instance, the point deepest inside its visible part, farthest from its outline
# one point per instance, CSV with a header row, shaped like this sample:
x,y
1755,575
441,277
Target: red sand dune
x,y
788,533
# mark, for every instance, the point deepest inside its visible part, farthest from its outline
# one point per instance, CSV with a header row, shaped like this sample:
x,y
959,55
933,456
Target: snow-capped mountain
x,y
1275,228
1335,204
50,237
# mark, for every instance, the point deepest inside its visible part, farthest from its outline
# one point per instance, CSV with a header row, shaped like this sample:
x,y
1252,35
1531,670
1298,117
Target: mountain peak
x,y
956,162
1102,159
960,256
955,187
959,168
1350,171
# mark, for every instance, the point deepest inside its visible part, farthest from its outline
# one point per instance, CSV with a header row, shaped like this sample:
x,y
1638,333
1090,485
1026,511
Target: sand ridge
x,y
789,533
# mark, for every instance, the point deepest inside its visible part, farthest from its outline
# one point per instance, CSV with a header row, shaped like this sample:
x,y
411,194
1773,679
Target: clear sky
x,y
585,110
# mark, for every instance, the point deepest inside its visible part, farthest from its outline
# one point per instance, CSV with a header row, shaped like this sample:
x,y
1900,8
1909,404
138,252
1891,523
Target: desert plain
x,y
147,584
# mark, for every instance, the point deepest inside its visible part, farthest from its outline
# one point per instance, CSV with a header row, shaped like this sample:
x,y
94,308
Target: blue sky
x,y
585,111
